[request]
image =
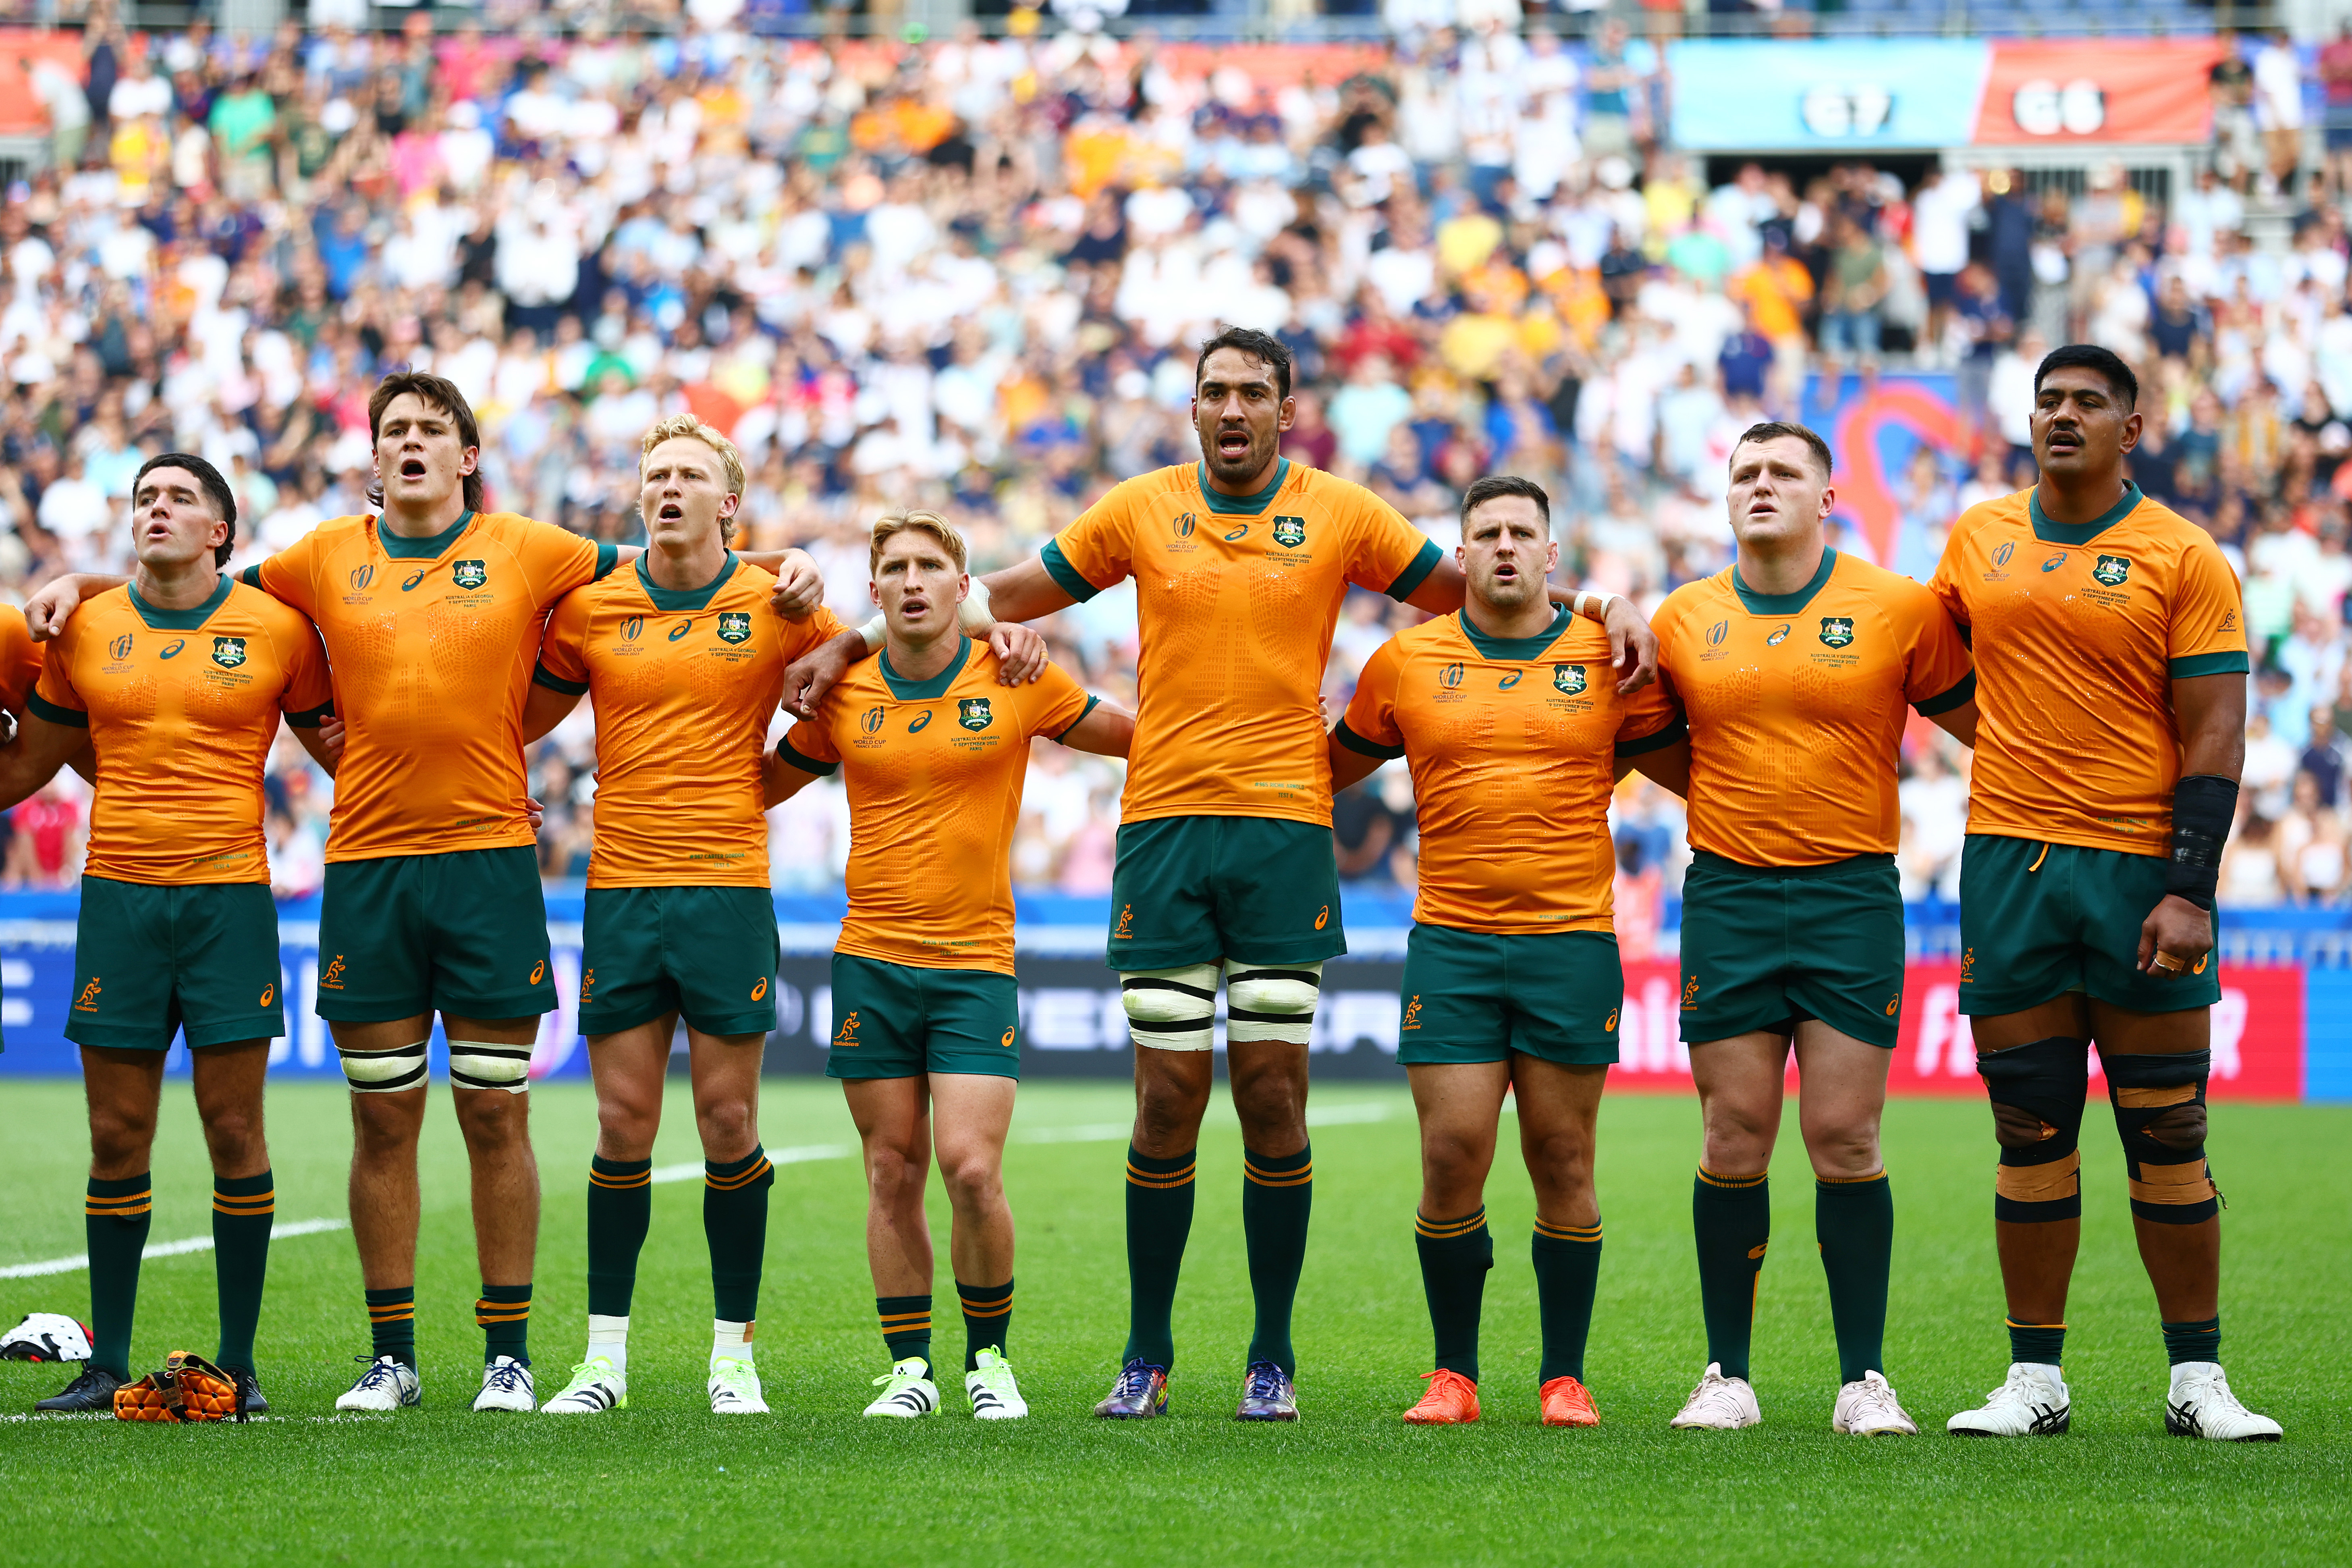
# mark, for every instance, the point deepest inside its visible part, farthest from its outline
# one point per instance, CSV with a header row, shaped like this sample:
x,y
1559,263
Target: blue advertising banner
x,y
1736,95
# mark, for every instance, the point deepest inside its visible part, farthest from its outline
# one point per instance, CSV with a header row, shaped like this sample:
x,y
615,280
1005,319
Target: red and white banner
x,y
2257,1035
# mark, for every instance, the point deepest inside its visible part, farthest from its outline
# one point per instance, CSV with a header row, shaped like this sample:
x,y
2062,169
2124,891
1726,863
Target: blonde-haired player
x,y
926,1018
684,662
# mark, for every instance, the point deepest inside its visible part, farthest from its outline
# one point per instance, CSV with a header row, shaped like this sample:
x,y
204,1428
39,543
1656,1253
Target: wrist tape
x,y
2203,806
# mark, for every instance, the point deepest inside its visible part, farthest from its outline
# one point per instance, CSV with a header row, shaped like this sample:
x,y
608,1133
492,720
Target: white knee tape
x,y
477,1064
1172,1009
384,1072
1266,1001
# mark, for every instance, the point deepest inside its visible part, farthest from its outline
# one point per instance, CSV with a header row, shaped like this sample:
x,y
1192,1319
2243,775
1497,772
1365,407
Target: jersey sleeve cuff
x,y
542,676
788,753
1092,703
312,718
1413,576
251,575
1656,741
1960,692
2230,661
1364,748
40,707
608,555
1058,567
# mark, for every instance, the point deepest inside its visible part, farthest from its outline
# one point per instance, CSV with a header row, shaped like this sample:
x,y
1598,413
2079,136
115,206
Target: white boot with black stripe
x,y
596,1385
906,1391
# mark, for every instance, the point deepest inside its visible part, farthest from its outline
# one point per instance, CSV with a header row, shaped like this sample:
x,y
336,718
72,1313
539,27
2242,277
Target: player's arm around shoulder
x,y
1654,734
1368,736
804,753
55,731
1940,676
560,677
1105,729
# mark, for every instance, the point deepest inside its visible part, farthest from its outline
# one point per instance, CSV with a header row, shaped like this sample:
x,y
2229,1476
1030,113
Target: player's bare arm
x,y
2212,712
543,709
1106,730
328,756
1667,767
40,750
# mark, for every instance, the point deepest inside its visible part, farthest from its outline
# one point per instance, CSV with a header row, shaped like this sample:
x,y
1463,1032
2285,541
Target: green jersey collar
x,y
2079,534
686,599
401,548
1785,604
1244,506
179,620
1516,650
929,690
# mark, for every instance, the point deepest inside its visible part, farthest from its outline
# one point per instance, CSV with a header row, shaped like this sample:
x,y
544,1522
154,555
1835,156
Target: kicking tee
x,y
1236,599
934,771
684,684
2079,633
182,707
1797,703
1513,744
433,641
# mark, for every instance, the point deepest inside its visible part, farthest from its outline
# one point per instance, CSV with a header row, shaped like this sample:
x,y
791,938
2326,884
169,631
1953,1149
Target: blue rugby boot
x,y
1266,1394
1141,1392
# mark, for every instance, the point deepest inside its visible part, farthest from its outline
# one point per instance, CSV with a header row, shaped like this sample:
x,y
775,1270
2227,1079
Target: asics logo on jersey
x,y
1509,680
1237,532
331,977
631,627
470,573
1779,635
2000,556
171,649
1837,630
228,652
2112,570
1450,676
916,725
269,994
121,646
760,991
1290,532
87,1001
362,576
1568,677
2054,562
734,627
1717,633
680,629
415,578
870,721
973,713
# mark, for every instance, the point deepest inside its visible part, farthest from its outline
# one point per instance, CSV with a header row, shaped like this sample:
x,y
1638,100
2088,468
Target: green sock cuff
x,y
899,1306
2193,1342
121,1187
1869,1187
1179,1165
599,1165
981,1296
2039,1344
405,1296
507,1295
727,1170
244,1186
1440,1231
1278,1169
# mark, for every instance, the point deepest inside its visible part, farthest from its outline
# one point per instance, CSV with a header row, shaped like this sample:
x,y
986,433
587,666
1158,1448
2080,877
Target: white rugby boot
x,y
2201,1405
596,1386
388,1384
2033,1403
735,1387
995,1396
1719,1404
507,1385
907,1390
1866,1408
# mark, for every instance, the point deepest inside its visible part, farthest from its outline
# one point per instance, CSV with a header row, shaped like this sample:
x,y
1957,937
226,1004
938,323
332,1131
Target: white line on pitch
x,y
165,1249
691,1170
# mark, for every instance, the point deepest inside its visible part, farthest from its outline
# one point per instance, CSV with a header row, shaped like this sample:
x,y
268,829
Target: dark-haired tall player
x,y
1241,563
176,681
2111,656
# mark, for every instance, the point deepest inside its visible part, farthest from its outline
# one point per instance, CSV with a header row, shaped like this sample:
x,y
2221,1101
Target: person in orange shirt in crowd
x,y
927,1019
1515,735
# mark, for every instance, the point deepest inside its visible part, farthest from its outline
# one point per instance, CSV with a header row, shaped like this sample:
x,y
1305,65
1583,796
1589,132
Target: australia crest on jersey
x,y
972,714
2112,570
1290,532
228,652
470,573
1568,677
1837,631
734,627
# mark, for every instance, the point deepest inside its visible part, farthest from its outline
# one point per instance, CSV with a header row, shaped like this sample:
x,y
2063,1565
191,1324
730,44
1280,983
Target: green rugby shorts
x,y
1477,996
2040,920
463,931
707,953
894,1020
1767,946
152,960
1195,889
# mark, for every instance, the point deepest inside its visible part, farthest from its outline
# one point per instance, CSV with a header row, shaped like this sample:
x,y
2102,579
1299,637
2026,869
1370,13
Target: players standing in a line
x,y
176,681
1241,563
925,1014
1794,667
2111,646
432,614
1509,719
683,660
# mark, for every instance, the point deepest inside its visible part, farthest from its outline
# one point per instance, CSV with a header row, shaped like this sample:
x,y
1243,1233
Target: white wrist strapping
x,y
1598,604
874,631
973,614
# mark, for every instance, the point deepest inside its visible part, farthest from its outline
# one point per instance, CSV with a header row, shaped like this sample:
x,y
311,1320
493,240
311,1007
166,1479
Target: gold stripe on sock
x,y
1712,1180
597,1178
740,1179
1449,1229
1569,1232
401,1313
1157,1179
1878,1175
988,1309
1298,1178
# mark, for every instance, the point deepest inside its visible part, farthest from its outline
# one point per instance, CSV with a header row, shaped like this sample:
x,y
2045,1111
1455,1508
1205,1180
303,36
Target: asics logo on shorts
x,y
1007,1041
1322,917
539,972
1609,1023
760,992
269,994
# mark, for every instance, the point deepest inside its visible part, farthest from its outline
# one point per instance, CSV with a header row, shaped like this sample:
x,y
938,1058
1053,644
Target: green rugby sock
x,y
504,1313
244,1208
906,1325
987,1319
620,1210
1277,1194
1456,1255
115,1218
2193,1342
1855,1223
391,1324
735,1224
1732,1218
2038,1344
1158,1222
1568,1272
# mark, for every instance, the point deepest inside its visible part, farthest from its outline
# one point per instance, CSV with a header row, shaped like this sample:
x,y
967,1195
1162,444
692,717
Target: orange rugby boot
x,y
1450,1400
1568,1402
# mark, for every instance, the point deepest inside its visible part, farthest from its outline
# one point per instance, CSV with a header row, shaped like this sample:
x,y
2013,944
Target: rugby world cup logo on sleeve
x,y
2112,570
470,575
734,627
1568,677
972,714
1837,631
228,652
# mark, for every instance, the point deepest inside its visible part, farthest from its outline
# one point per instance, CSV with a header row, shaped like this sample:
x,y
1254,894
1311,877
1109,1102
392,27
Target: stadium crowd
x,y
969,276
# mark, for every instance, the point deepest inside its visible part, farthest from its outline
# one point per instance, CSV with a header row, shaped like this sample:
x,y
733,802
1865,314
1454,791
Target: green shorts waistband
x,y
1707,861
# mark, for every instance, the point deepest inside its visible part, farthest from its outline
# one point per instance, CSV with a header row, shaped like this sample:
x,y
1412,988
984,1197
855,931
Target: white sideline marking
x,y
692,1170
80,1261
1108,1132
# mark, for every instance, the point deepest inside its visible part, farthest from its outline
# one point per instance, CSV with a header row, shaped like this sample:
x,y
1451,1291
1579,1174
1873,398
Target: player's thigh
x,y
1844,962
2123,1031
1459,1105
971,1023
2020,925
2116,891
971,1113
123,993
1735,951
123,1089
1163,915
719,949
225,970
487,927
375,954
879,1027
1841,1097
1559,1111
624,981
628,1068
1452,1008
725,1071
1564,993
893,1116
1275,884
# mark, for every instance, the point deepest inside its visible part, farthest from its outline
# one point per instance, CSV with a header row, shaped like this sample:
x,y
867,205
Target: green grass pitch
x,y
666,1481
